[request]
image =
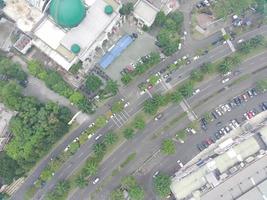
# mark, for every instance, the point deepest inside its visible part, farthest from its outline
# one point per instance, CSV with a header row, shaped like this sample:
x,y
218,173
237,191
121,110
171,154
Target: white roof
x,y
95,23
263,133
184,187
145,11
226,143
50,33
23,14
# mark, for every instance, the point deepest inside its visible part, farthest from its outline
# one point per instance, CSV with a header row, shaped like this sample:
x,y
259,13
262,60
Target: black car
x,y
200,147
168,80
264,105
214,115
217,135
205,144
162,70
254,92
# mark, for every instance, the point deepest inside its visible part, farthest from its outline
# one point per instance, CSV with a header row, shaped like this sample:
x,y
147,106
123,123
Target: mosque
x,y
66,30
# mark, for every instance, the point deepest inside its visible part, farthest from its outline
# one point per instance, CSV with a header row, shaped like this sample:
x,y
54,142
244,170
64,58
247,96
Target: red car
x,y
250,115
149,87
244,97
209,141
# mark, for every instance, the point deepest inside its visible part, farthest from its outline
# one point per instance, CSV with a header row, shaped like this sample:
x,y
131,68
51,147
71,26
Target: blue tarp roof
x,y
110,56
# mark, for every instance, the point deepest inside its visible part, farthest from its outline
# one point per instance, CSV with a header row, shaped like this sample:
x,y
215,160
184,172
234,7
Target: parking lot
x,y
142,46
230,115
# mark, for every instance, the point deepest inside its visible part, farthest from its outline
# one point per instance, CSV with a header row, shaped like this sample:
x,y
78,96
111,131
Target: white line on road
x,y
80,154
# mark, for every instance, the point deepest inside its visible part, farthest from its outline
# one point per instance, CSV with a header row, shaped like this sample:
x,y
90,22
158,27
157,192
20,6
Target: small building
x,y
5,117
145,11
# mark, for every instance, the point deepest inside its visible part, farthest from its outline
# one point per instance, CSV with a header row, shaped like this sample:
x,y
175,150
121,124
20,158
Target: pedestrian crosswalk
x,y
121,118
12,188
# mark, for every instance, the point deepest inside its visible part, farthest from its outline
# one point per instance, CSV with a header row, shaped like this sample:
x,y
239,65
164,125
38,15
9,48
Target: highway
x,y
75,161
145,146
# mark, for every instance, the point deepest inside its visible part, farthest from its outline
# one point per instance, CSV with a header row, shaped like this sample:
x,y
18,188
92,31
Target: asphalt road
x,y
148,146
82,154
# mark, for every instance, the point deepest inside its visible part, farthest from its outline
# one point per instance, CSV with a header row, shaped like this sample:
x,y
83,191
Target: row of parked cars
x,y
233,124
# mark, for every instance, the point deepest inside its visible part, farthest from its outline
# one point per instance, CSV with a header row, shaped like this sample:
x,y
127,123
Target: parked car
x,y
196,91
200,147
254,92
244,97
217,135
168,80
159,116
96,180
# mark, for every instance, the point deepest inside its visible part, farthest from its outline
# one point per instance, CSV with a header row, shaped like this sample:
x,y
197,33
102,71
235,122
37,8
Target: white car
x,y
240,41
180,163
155,174
99,136
227,107
225,80
227,73
126,104
196,91
218,112
179,46
96,181
196,58
235,123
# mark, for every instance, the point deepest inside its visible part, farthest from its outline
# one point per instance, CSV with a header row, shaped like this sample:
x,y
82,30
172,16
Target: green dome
x,y
108,10
67,13
75,48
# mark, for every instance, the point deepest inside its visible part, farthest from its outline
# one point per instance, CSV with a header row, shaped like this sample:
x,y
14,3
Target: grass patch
x,y
128,159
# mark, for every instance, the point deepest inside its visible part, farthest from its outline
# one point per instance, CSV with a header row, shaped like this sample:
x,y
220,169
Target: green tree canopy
x,y
139,123
168,147
9,168
126,9
161,184
117,194
112,87
93,83
128,133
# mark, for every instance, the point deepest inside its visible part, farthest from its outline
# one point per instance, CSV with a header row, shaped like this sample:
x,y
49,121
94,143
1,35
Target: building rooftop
x,y
25,16
182,188
93,25
67,13
145,11
240,185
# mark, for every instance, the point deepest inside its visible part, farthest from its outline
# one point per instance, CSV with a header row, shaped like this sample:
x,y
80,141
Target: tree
x,y
128,133
126,78
139,123
128,182
12,71
110,138
99,149
61,190
151,106
160,19
100,121
80,181
91,167
93,83
161,184
196,75
117,107
176,96
112,87
136,193
126,9
76,97
206,68
187,89
117,194
9,169
168,147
